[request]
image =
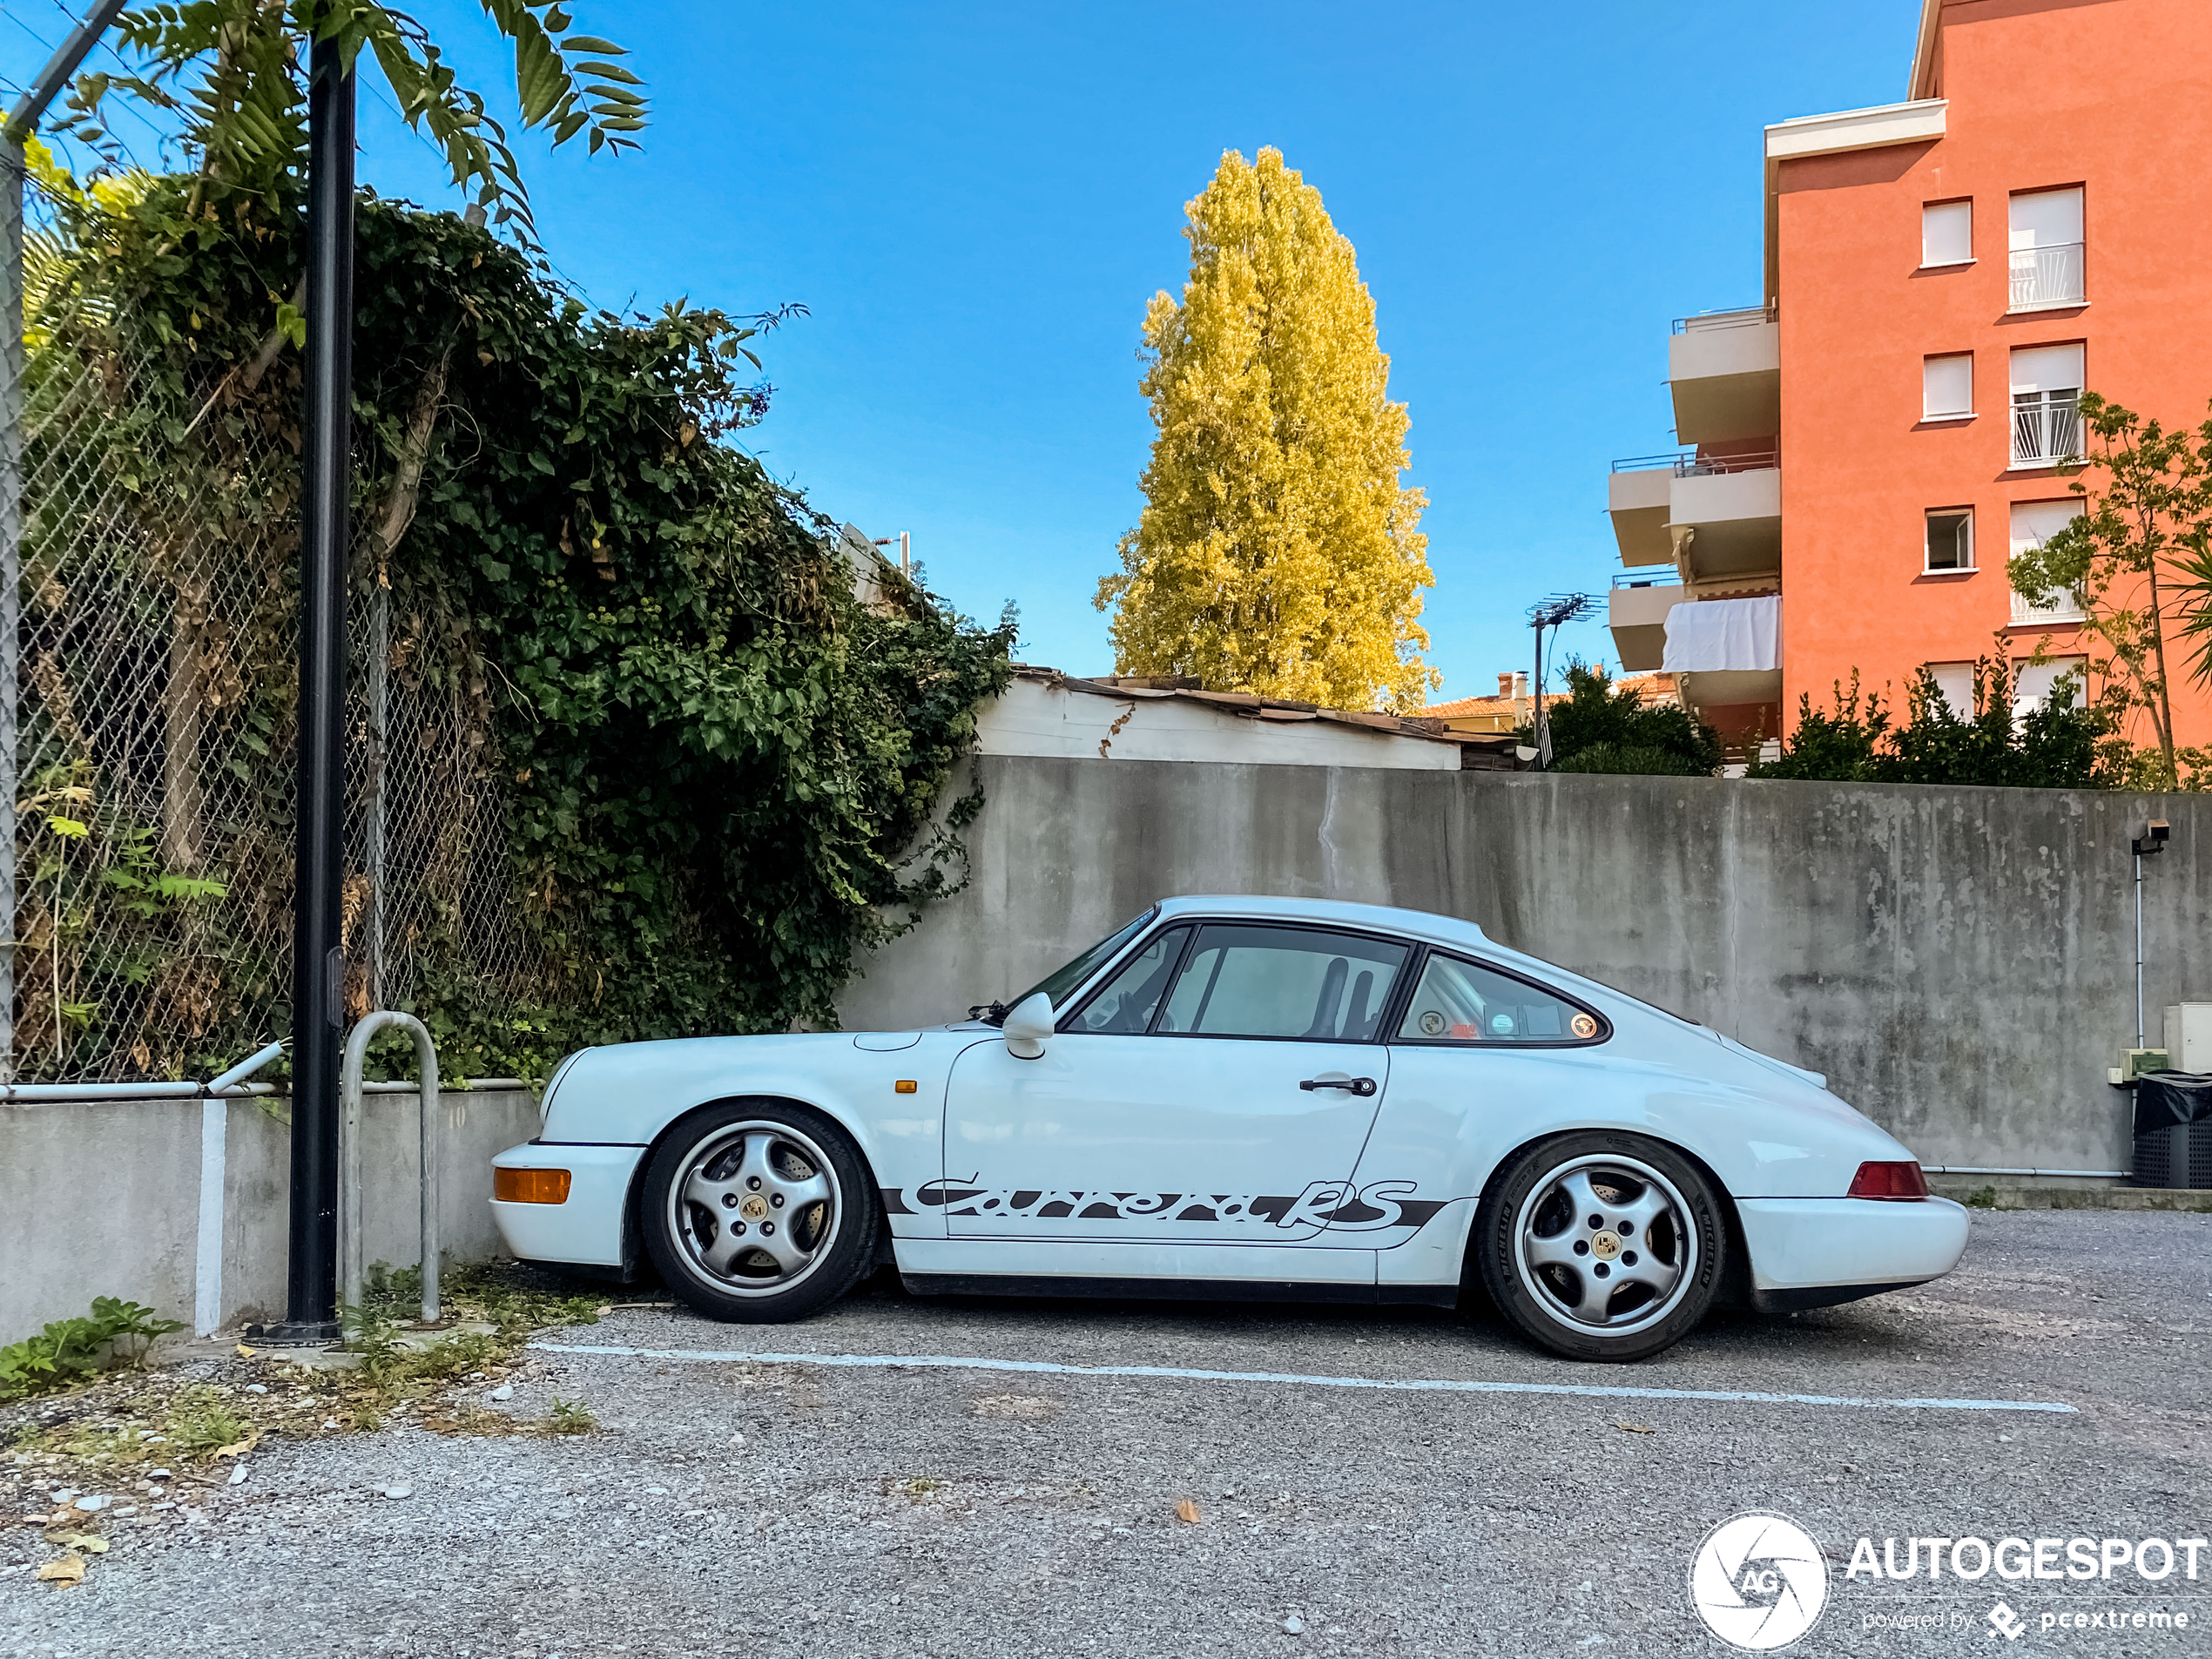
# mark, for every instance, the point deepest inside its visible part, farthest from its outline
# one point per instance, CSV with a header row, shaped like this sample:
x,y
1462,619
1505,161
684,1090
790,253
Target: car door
x,y
1216,1090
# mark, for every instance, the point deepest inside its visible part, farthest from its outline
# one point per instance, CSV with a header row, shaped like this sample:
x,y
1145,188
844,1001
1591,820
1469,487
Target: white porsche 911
x,y
1242,1097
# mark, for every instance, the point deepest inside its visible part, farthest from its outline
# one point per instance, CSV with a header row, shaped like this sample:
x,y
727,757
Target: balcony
x,y
2047,429
1637,616
1726,653
2064,609
1712,515
2045,278
1725,371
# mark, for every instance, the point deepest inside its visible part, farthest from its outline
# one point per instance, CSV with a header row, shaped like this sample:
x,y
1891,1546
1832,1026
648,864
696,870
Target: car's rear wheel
x,y
758,1211
1601,1245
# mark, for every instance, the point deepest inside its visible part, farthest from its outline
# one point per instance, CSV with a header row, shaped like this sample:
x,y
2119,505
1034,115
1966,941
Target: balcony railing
x,y
2064,607
1689,464
2047,429
1749,318
2048,276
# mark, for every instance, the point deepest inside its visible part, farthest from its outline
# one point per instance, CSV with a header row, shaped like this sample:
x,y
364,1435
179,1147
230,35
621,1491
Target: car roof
x,y
1451,932
1419,924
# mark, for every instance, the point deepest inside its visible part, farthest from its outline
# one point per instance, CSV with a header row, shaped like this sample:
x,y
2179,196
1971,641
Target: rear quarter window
x,y
1459,1002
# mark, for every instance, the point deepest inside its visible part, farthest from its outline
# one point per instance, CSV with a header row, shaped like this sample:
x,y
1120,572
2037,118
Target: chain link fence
x,y
149,633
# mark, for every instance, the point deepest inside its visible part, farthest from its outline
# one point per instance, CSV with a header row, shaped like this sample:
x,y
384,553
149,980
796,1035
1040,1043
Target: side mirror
x,y
1028,1027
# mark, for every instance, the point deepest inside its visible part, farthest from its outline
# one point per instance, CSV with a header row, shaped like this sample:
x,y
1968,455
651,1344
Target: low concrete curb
x,y
2011,1195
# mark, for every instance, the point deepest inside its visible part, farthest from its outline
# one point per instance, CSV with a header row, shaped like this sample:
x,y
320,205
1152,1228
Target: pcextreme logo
x,y
1759,1581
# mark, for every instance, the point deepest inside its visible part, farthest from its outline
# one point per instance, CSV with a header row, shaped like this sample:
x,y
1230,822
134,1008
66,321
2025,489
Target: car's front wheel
x,y
758,1211
1601,1245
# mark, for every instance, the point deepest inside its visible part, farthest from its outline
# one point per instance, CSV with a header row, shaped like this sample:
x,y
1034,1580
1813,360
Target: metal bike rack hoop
x,y
349,1156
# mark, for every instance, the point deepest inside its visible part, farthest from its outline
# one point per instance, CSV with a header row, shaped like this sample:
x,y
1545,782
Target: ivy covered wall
x,y
715,768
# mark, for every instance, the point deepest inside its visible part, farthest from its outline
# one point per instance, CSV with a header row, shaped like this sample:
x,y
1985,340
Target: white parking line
x,y
1404,1384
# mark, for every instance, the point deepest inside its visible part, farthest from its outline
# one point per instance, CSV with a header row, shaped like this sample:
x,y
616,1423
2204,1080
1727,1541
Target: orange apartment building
x,y
1861,453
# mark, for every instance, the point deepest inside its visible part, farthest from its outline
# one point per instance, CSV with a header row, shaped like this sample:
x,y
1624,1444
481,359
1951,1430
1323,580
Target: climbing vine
x,y
717,765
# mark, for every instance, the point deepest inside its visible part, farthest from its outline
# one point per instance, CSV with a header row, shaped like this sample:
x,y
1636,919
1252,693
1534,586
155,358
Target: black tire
x,y
1602,1292
758,1162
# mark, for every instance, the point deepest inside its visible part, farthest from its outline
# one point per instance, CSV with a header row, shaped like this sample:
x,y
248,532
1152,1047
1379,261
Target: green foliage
x,y
2058,746
719,765
569,1417
201,1421
517,1300
1600,727
232,75
2146,530
1633,759
69,1351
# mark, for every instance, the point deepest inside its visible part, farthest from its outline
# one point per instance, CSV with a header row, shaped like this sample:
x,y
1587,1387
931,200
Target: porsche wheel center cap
x,y
754,1207
1606,1245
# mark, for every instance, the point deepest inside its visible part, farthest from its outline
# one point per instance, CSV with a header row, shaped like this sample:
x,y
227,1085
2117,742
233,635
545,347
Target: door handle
x,y
1362,1087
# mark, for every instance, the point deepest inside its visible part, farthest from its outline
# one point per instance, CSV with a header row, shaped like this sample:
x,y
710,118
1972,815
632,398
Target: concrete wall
x,y
103,1198
1958,962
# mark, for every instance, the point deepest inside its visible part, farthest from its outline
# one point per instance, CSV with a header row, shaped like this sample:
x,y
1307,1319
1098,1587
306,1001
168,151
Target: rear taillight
x,y
1888,1181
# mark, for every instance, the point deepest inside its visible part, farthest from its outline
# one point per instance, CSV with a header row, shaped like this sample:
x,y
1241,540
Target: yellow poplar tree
x,y
1277,553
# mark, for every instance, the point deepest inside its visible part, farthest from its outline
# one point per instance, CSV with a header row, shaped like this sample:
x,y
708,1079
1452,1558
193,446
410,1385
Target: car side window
x,y
1125,1004
1461,1002
1242,981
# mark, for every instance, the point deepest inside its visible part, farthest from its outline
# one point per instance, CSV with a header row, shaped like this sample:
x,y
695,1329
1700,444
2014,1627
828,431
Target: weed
x,y
514,1300
200,1421
68,1351
1982,1198
569,1417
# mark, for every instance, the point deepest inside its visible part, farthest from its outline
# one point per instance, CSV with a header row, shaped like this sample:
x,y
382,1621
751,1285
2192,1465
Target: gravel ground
x,y
751,1508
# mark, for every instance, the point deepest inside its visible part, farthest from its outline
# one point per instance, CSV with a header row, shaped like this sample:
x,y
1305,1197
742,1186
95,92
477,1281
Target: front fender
x,y
628,1094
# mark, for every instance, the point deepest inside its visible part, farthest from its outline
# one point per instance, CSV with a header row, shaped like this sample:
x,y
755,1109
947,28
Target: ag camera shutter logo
x,y
1759,1581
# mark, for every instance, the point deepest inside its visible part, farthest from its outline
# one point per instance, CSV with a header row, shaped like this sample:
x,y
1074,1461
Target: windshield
x,y
1062,983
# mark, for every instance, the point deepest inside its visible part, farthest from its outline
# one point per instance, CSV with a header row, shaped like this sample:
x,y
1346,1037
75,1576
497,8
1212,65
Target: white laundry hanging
x,y
1716,635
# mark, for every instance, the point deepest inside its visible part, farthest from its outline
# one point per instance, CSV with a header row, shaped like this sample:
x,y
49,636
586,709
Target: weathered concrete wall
x,y
103,1198
1958,962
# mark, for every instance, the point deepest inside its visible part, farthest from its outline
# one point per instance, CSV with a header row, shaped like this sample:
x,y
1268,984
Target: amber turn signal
x,y
905,1086
530,1186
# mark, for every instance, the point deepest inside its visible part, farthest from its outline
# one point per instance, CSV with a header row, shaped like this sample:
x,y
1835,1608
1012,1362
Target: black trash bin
x,y
2173,1130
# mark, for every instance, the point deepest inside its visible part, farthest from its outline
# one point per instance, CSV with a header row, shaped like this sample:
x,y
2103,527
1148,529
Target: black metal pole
x,y
1536,706
318,969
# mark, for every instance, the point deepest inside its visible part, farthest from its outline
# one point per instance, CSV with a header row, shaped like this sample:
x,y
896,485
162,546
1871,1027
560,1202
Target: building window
x,y
1950,539
2047,405
1947,386
2034,523
1948,233
2046,239
2032,683
1954,683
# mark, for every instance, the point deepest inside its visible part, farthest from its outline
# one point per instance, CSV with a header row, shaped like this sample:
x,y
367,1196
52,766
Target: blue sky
x,y
975,204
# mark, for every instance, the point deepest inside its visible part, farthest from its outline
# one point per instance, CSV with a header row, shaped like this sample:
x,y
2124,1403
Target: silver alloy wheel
x,y
755,1210
1603,1230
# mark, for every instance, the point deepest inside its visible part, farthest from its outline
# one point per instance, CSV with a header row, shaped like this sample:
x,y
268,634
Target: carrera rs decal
x,y
1331,1206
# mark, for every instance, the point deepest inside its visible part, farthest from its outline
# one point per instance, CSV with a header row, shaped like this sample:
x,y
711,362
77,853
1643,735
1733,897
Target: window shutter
x,y
1947,232
1947,386
2047,368
2036,521
1956,682
2032,683
2046,218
